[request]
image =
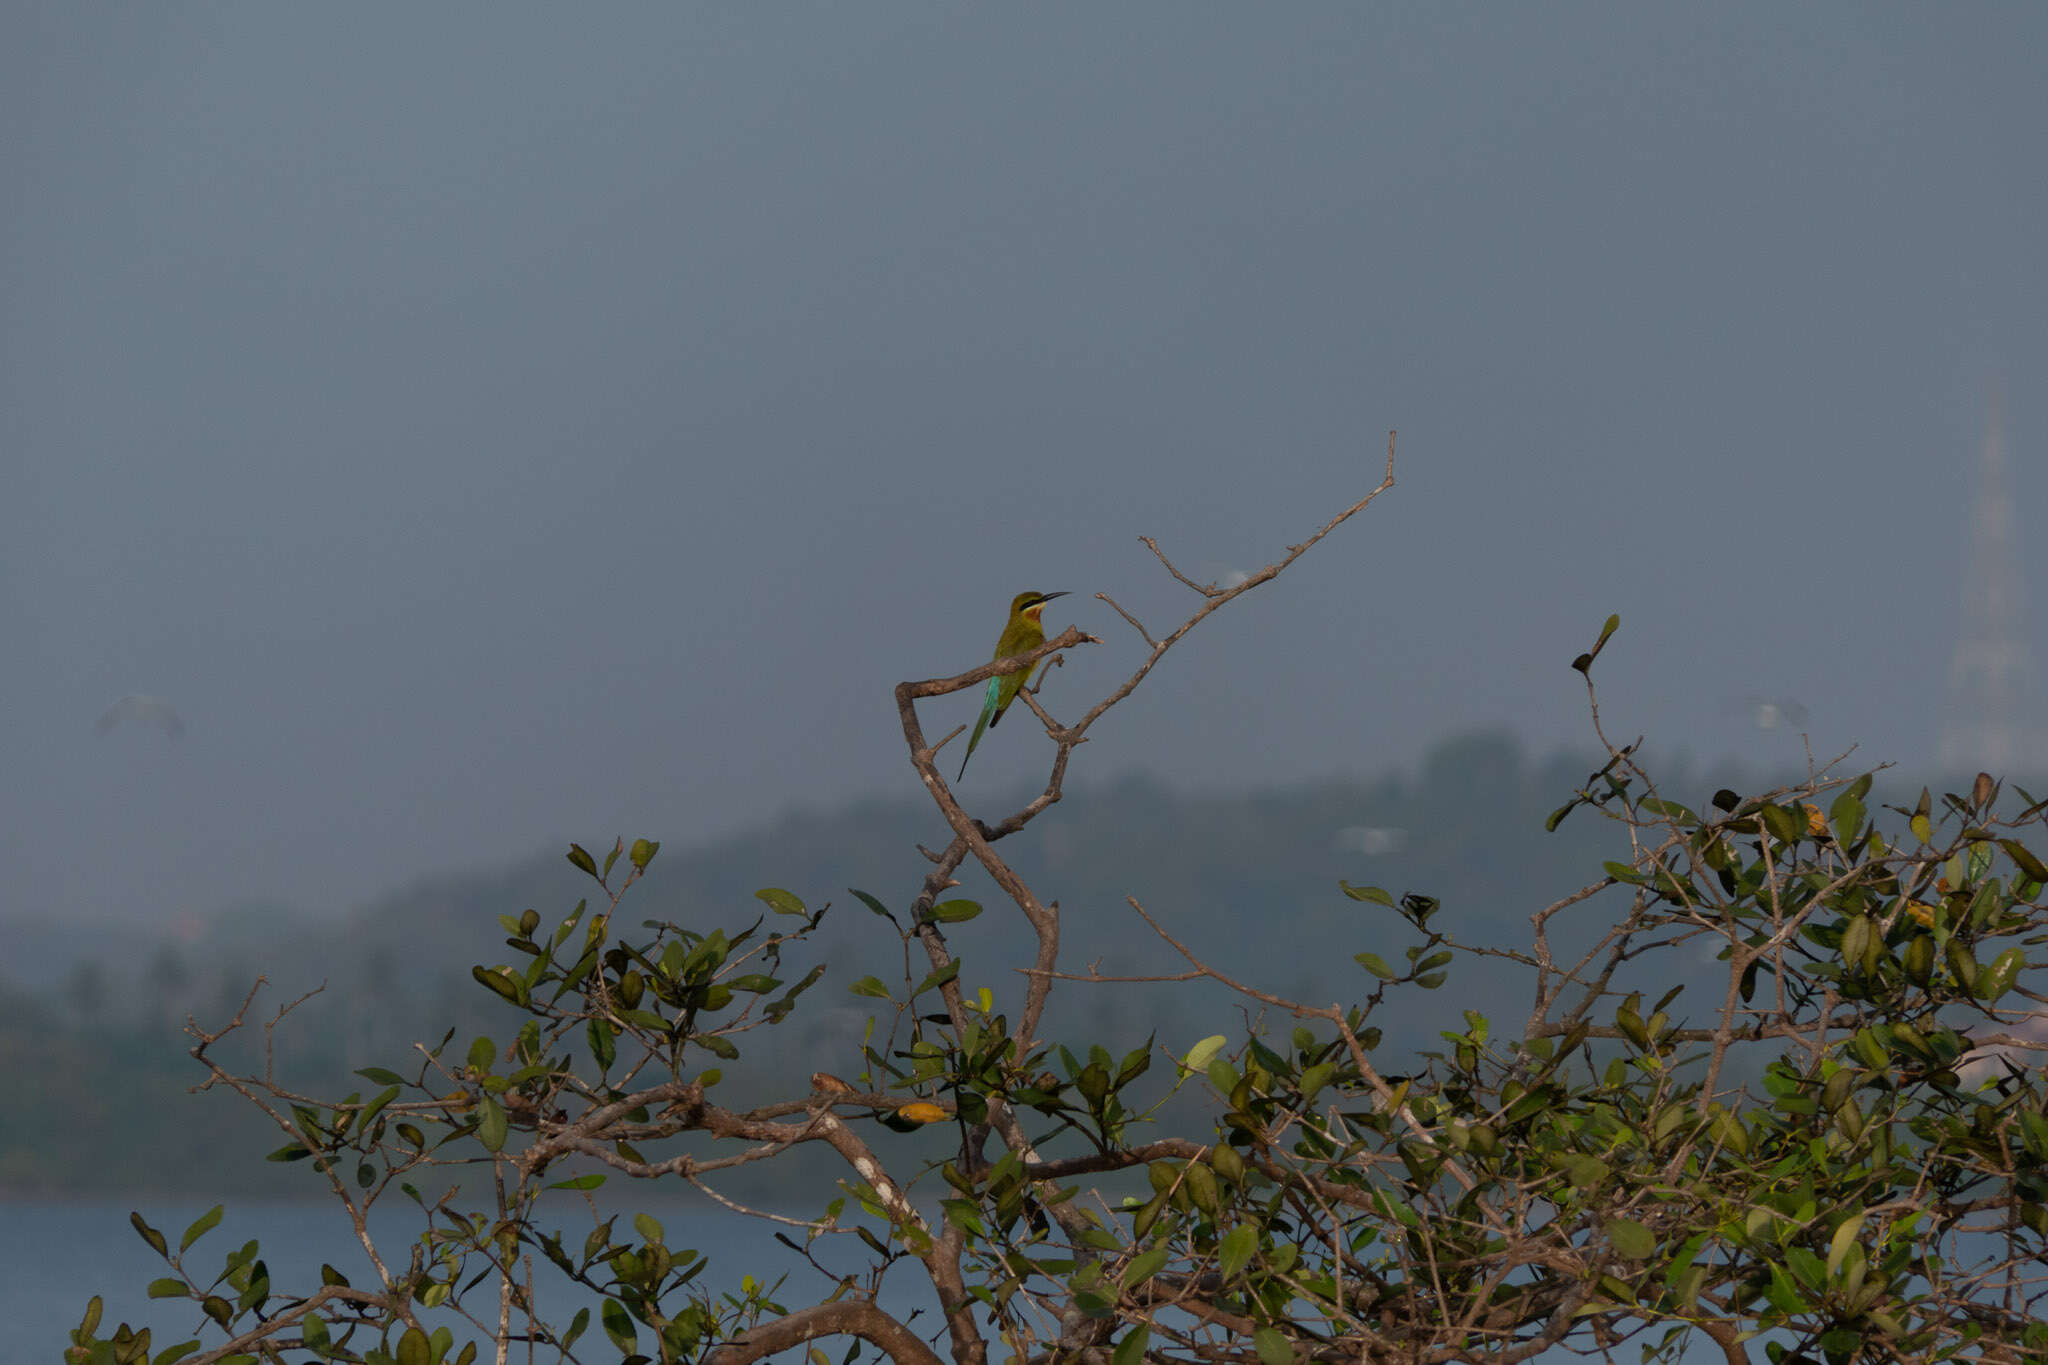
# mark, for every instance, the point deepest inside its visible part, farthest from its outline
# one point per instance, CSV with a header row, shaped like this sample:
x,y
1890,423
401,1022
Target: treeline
x,y
99,1100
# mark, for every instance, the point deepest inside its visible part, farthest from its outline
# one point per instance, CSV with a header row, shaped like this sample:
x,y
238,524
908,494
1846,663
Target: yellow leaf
x,y
921,1111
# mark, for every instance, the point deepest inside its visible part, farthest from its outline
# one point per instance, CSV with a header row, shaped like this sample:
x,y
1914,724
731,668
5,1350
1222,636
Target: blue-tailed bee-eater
x,y
1022,633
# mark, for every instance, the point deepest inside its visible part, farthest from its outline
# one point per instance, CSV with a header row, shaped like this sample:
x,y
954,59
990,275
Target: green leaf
x,y
1785,826
482,1052
1372,894
1131,1350
1616,1288
2034,1133
1857,942
2023,858
647,1226
490,1128
1846,815
871,903
1272,1347
1101,1239
581,1182
939,977
1726,1129
643,852
956,912
168,1288
1377,965
313,1328
511,987
149,1234
1997,979
1844,1238
602,1046
618,1326
205,1223
1962,964
580,858
1200,1055
1584,663
1631,1239
780,901
375,1107
869,985
568,925
380,1075
1144,1266
1235,1249
1810,1270
412,1347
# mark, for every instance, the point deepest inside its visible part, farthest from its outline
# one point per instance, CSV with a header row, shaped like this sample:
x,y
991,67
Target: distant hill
x,y
1247,880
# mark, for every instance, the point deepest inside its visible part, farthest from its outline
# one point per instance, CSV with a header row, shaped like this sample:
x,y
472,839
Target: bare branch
x,y
849,1317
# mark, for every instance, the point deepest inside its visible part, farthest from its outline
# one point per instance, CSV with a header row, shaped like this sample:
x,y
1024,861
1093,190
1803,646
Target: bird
x,y
1022,633
153,711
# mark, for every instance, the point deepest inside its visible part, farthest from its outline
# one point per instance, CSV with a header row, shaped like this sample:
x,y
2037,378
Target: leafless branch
x,y
849,1317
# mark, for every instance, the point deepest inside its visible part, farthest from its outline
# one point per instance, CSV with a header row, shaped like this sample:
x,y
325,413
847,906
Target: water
x,y
56,1256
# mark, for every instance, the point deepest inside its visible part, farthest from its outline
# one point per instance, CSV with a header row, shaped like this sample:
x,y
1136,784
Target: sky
x,y
492,425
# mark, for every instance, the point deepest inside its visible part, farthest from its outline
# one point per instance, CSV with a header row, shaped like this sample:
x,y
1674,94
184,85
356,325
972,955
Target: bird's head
x,y
1029,604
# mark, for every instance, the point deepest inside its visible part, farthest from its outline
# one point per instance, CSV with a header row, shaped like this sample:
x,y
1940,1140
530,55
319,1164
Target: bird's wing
x,y
1003,689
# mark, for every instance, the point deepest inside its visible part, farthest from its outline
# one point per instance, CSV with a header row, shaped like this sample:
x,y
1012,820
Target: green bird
x,y
1022,633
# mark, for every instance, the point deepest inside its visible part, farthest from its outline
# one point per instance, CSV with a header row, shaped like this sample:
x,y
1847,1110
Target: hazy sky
x,y
493,424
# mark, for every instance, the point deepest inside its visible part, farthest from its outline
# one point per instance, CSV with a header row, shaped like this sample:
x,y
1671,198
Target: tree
x,y
1837,1150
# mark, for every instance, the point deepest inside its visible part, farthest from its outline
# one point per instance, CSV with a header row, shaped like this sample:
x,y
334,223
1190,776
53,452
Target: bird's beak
x,y
1049,596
